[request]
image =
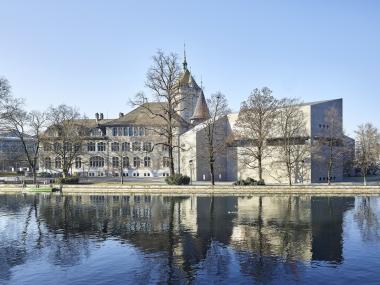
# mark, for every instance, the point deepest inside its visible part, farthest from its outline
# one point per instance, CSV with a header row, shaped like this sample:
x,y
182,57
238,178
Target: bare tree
x,y
66,133
291,138
218,107
255,124
330,146
367,141
28,127
162,80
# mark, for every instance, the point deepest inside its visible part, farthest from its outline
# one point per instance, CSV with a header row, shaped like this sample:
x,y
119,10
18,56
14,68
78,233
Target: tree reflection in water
x,y
367,218
190,237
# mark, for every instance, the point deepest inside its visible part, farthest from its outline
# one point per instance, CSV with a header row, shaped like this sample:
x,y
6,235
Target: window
x,y
47,163
147,161
126,146
77,147
96,161
126,131
125,162
96,133
58,163
115,146
57,146
136,162
141,131
147,146
47,147
91,146
166,162
130,131
115,162
78,162
136,146
114,132
67,147
135,131
101,146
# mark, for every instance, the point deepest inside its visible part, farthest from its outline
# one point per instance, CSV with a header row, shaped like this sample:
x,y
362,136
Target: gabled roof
x,y
147,115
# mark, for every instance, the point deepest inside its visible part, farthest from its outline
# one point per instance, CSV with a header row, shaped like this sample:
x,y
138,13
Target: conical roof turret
x,y
201,111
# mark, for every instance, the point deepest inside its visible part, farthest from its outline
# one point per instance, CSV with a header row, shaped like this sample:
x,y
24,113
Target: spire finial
x,y
201,82
184,57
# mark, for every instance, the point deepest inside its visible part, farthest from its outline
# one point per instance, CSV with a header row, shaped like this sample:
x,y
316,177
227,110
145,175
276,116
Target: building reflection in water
x,y
191,233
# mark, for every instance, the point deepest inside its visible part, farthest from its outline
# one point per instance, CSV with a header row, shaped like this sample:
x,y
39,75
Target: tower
x,y
188,92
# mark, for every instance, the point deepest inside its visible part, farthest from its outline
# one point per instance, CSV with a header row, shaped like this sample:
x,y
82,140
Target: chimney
x,y
101,116
97,116
121,115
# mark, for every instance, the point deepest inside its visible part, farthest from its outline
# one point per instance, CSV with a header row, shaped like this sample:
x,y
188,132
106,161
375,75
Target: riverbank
x,y
152,189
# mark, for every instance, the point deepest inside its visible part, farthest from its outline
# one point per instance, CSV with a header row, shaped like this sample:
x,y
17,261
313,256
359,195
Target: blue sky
x,y
95,54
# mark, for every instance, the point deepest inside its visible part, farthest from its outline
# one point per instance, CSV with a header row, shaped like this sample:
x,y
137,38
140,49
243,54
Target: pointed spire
x,y
184,57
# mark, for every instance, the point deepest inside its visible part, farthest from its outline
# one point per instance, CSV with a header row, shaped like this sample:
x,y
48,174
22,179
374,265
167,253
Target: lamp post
x,y
191,171
302,169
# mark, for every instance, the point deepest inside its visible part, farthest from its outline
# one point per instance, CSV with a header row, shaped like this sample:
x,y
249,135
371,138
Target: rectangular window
x,y
147,146
119,132
91,146
114,132
126,146
115,146
130,131
135,131
166,162
141,131
126,131
136,146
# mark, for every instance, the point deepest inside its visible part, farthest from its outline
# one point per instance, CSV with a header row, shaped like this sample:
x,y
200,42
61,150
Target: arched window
x,y
101,146
47,162
147,161
91,146
96,161
126,146
78,162
136,162
115,146
115,162
58,163
125,162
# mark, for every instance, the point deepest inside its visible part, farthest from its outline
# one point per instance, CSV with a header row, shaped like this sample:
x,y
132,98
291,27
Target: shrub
x,y
177,179
261,182
249,182
67,180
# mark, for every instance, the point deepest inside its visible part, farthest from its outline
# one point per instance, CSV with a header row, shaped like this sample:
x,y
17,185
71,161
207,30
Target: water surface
x,y
94,239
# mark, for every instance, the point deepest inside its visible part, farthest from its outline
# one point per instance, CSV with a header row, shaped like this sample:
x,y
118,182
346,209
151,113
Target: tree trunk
x,y
259,161
212,173
289,170
34,175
